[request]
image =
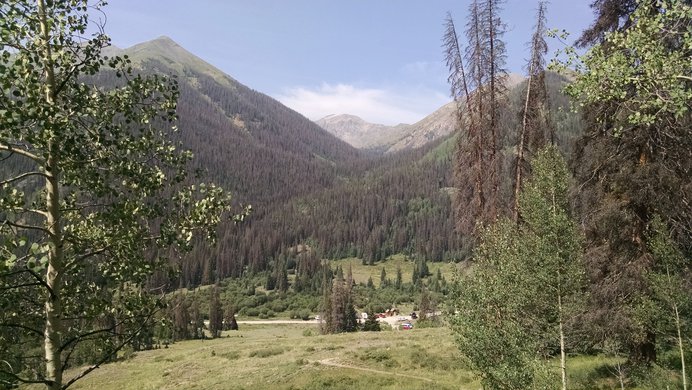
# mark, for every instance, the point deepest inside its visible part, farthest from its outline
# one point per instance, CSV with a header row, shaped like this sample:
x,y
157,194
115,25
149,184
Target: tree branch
x,y
111,353
22,176
27,227
32,330
24,153
26,381
86,256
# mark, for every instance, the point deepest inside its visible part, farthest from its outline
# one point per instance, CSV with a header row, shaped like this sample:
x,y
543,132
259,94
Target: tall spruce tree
x,y
634,163
215,312
478,88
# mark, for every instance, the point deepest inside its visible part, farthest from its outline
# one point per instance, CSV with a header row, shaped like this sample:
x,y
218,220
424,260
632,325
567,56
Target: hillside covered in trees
x,y
306,186
563,203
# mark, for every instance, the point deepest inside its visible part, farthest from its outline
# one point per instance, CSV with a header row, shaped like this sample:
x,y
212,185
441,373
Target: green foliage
x,y
509,308
371,324
645,67
94,192
633,164
267,352
380,356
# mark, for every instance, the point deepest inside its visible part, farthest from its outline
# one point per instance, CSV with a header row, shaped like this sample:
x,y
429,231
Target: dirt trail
x,y
332,363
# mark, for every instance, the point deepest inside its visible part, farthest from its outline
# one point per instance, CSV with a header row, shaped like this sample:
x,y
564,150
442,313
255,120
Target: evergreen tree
x,y
230,323
371,324
478,167
370,284
633,163
399,277
215,313
197,321
534,129
181,318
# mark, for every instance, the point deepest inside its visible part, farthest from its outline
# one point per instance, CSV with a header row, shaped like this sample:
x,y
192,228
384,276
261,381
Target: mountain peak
x,y
360,133
168,51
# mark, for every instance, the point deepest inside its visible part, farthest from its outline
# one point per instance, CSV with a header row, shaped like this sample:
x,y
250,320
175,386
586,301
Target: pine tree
x,y
181,321
371,324
196,320
215,313
230,323
633,163
399,276
478,168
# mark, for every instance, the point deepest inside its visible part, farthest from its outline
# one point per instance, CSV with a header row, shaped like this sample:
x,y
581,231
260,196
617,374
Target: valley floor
x,y
294,356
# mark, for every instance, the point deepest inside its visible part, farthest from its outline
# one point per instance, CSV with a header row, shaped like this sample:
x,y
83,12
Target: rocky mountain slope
x,y
361,134
390,139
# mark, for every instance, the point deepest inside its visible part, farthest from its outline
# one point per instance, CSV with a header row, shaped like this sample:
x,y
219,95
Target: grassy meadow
x,y
361,272
296,356
293,356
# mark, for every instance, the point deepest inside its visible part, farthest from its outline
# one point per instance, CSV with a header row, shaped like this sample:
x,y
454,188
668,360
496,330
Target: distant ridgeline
x,y
305,185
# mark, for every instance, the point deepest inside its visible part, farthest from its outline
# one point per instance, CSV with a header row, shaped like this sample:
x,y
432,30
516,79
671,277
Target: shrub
x,y
267,352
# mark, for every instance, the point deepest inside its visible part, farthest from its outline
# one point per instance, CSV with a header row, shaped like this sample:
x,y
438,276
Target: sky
x,y
379,59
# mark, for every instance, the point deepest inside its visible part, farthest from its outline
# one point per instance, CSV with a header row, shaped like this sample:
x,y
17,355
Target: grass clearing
x,y
361,272
281,356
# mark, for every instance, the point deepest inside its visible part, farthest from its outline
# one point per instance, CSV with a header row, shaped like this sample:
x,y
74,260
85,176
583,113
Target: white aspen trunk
x,y
680,346
563,360
53,306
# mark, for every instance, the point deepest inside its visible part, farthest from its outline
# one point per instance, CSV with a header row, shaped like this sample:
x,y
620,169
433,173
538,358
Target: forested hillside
x,y
305,185
338,201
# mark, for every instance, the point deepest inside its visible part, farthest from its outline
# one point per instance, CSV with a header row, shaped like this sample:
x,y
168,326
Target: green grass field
x,y
361,272
295,356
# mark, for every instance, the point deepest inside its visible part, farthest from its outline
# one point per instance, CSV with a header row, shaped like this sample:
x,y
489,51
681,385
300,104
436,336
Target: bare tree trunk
x,y
495,167
53,306
520,151
480,145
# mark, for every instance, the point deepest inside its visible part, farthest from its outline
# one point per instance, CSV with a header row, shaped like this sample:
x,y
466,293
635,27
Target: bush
x,y
231,355
267,352
429,323
279,306
379,355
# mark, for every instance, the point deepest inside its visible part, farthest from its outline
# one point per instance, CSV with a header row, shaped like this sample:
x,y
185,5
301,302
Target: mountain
x,y
244,140
362,134
390,139
307,186
437,125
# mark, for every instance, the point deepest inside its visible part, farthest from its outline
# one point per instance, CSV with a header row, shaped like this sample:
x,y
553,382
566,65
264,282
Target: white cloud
x,y
376,105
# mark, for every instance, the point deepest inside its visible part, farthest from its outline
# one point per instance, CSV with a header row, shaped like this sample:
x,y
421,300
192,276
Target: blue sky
x,y
378,59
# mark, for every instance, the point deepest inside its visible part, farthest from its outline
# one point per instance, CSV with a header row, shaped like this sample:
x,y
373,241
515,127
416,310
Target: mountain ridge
x,y
390,139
